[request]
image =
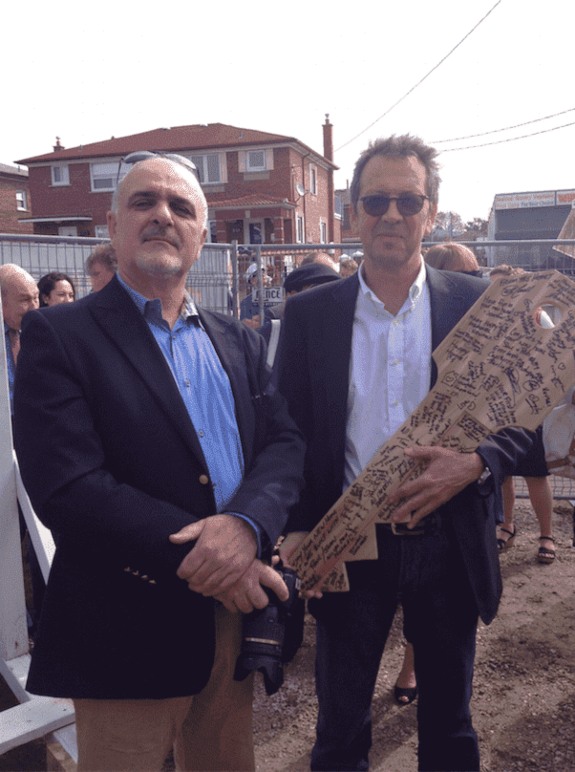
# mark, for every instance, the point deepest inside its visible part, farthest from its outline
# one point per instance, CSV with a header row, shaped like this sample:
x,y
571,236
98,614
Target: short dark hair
x,y
47,283
399,146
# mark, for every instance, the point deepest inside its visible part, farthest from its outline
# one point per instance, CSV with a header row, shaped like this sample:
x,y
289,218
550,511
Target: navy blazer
x,y
113,466
314,377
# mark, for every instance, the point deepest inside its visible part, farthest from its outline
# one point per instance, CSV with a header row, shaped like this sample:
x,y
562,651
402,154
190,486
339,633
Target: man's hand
x,y
225,548
289,544
444,473
286,549
248,594
254,323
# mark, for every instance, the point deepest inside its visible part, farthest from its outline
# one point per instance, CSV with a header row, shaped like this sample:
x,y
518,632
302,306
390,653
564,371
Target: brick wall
x,y
9,213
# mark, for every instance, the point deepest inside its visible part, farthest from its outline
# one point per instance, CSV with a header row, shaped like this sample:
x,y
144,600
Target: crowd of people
x,y
178,454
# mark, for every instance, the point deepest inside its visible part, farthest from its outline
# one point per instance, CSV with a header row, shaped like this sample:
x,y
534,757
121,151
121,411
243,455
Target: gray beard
x,y
158,266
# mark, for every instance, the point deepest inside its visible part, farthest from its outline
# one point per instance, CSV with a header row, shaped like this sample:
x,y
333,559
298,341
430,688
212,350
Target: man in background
x,y
101,266
249,308
19,295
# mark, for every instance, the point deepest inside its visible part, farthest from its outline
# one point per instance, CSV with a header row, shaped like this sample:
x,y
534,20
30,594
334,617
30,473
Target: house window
x,y
101,232
255,230
103,176
209,167
256,161
60,174
313,179
299,229
21,201
322,232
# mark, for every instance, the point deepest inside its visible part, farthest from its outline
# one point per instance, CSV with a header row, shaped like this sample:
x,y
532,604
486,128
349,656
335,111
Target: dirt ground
x,y
524,688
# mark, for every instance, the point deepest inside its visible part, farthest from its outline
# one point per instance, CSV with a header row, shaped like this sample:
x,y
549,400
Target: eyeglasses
x,y
144,155
407,205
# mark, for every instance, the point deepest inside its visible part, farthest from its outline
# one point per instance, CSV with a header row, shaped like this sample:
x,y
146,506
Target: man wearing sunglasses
x,y
150,448
355,362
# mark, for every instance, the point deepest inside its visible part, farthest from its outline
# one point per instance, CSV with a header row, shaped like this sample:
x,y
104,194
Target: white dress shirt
x,y
390,370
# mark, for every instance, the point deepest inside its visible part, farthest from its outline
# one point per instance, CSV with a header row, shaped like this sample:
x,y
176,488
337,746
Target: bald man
x,y
19,295
149,446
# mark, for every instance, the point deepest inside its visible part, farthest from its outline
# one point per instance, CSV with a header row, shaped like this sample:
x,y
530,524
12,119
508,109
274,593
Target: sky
x,y
445,69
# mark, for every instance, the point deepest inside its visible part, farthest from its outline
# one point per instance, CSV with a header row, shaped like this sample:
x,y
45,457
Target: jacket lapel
x,y
447,306
333,323
125,326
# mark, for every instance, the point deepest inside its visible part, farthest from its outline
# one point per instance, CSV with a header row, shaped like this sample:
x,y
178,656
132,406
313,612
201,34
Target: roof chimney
x,y
327,139
58,146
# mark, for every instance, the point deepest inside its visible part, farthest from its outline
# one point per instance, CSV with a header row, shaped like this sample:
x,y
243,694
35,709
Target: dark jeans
x,y
427,576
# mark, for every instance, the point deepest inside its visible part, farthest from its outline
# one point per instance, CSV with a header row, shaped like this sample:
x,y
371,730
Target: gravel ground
x,y
524,688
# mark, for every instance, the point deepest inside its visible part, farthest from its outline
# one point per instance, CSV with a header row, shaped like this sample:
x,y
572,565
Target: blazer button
x,y
204,479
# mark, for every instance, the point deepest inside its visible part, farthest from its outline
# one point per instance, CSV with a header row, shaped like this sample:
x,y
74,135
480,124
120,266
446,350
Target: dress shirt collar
x,y
415,291
152,309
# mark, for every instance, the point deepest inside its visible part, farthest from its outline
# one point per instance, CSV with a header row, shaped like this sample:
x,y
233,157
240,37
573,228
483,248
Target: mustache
x,y
159,232
388,232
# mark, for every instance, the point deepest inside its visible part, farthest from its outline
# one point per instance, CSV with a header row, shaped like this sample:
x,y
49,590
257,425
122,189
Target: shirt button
x,y
203,479
201,433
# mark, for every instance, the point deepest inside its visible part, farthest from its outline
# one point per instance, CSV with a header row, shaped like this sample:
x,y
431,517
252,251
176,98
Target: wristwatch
x,y
484,476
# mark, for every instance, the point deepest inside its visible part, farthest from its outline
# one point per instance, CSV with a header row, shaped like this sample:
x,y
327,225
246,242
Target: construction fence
x,y
217,280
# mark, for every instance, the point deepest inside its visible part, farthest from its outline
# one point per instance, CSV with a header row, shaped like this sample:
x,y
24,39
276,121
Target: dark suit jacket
x,y
314,376
113,466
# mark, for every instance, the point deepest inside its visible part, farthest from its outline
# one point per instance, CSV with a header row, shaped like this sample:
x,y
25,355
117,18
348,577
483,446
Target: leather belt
x,y
426,527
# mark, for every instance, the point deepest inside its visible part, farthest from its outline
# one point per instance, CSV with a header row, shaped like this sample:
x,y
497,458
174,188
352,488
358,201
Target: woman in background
x,y
56,288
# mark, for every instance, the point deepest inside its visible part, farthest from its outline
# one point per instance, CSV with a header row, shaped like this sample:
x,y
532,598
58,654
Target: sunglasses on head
x,y
407,204
144,155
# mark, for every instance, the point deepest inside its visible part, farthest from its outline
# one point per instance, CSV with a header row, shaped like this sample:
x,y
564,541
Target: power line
x,y
506,128
419,82
510,139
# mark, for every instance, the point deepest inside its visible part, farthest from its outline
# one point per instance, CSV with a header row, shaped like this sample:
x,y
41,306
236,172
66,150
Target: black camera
x,y
272,635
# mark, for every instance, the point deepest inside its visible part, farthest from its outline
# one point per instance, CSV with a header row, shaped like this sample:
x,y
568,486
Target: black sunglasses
x,y
407,204
143,155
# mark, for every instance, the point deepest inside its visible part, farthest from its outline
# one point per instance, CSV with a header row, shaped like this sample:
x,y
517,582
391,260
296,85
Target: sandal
x,y
546,554
505,544
405,695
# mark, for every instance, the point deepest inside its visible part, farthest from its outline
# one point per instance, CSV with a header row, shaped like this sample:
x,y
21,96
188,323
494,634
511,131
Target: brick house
x,y
14,199
261,187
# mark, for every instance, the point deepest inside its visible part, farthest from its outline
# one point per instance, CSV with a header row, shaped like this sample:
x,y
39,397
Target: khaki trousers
x,y
212,730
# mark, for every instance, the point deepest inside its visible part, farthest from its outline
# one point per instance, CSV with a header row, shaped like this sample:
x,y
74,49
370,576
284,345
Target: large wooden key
x,y
499,367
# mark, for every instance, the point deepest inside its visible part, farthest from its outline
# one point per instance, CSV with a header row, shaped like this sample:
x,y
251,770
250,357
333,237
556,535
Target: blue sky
x,y
89,71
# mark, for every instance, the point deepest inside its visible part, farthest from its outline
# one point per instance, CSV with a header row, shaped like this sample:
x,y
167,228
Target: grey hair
x,y
115,194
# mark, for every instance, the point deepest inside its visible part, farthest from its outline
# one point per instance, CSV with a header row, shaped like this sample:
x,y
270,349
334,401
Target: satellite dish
x,y
300,189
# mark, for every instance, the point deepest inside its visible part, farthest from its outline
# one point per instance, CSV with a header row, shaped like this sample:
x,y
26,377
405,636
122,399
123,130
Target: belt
x,y
426,527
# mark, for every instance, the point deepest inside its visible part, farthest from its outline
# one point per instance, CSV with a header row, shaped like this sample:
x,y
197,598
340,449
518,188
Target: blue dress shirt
x,y
11,366
207,394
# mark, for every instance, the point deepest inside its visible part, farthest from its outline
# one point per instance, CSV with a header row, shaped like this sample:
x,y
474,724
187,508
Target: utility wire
x,y
506,128
419,82
510,139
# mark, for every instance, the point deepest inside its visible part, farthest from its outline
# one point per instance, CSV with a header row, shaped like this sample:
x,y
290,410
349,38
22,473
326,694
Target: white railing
x,y
35,716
